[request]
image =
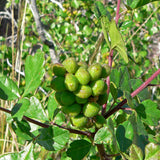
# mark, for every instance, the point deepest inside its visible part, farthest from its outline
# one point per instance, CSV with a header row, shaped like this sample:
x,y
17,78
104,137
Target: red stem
x,y
145,84
110,58
133,94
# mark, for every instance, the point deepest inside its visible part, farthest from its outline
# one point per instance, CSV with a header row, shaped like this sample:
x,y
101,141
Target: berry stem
x,y
133,94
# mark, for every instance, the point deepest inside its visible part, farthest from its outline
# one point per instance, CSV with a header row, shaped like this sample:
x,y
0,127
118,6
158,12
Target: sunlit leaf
x,y
148,112
8,89
104,135
152,151
117,41
135,153
35,110
34,72
20,108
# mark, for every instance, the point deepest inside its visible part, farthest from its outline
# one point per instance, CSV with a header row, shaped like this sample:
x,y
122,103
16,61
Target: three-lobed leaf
x,y
53,138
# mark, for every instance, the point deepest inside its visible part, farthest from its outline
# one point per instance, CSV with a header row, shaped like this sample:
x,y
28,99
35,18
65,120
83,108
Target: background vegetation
x,y
52,31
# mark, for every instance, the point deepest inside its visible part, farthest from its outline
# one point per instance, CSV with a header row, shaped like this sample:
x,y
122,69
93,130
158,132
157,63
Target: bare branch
x,y
41,31
59,4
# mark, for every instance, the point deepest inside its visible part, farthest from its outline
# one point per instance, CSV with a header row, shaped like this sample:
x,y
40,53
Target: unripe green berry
x,y
70,65
58,84
67,98
102,99
71,82
83,91
81,100
83,76
58,97
106,70
97,87
95,71
91,109
72,110
59,70
79,121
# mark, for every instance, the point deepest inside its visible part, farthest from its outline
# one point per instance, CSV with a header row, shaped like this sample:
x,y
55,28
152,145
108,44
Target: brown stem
x,y
102,152
88,134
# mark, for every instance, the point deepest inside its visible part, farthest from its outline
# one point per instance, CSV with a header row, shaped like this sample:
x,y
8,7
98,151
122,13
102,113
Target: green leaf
x,y
140,133
148,112
36,110
135,153
121,78
117,41
78,149
115,77
114,90
124,79
22,130
152,151
34,72
20,108
129,99
75,3
87,30
104,135
105,28
124,135
52,107
100,9
8,89
53,138
133,4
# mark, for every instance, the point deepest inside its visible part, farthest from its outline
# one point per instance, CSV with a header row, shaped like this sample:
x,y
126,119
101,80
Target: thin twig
x,y
141,25
58,3
110,58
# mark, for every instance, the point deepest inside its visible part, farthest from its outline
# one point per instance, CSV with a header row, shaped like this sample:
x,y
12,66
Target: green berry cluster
x,y
81,91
